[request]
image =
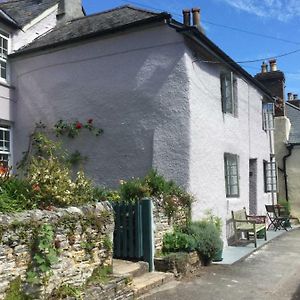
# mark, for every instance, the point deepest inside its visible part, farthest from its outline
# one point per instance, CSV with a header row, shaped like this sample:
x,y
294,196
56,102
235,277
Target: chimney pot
x,y
295,96
273,65
186,17
196,16
264,67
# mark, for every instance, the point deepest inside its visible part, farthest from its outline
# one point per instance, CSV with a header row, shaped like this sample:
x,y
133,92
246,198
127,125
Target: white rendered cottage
x,y
166,96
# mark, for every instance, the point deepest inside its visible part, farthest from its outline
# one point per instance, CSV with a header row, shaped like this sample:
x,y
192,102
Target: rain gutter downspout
x,y
290,148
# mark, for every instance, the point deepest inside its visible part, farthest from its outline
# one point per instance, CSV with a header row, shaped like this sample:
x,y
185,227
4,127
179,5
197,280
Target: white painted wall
x,y
133,85
214,133
157,108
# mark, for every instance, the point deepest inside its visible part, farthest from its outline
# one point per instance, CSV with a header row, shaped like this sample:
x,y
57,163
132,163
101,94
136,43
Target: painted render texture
x,y
157,107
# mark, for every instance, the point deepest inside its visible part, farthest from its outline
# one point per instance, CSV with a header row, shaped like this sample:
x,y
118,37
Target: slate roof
x,y
88,26
122,18
24,11
293,113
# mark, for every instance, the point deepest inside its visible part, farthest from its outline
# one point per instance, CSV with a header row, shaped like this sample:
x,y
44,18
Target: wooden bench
x,y
250,225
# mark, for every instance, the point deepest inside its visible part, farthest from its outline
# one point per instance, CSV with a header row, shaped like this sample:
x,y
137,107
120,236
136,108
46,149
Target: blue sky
x,y
279,19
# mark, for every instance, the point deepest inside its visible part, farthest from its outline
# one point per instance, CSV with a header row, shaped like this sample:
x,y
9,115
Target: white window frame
x,y
232,178
270,176
229,93
5,35
268,116
9,151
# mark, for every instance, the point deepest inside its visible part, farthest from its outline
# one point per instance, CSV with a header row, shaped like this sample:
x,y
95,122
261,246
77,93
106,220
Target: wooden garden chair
x,y
278,217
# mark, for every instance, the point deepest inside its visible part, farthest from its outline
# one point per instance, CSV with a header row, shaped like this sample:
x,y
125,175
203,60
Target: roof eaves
x,y
8,19
219,54
152,19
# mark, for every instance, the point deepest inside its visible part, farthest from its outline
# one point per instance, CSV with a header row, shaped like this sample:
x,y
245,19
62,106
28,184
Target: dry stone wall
x,y
82,238
163,223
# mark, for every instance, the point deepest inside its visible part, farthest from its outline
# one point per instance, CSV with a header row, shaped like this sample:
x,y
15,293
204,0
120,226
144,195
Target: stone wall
x,y
163,224
82,238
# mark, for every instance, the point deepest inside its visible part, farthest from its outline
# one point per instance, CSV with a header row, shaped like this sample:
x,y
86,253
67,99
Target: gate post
x,y
148,237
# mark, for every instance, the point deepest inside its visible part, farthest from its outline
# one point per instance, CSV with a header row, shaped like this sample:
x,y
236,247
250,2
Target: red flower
x,y
78,125
90,121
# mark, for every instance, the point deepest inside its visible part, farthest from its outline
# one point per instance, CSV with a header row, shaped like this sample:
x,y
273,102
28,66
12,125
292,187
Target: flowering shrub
x,y
72,129
51,177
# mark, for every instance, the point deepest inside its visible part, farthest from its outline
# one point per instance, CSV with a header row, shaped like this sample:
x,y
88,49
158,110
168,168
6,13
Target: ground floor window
x,y
5,146
231,164
270,177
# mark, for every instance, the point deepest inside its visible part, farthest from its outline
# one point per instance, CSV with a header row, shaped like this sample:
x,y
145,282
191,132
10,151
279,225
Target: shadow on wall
x,y
130,96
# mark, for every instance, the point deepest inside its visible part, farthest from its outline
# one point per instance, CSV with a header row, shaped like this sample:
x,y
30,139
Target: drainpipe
x,y
290,148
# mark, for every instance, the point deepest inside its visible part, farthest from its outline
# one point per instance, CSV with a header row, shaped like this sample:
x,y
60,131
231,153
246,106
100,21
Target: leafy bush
x,y
178,242
16,195
207,237
134,190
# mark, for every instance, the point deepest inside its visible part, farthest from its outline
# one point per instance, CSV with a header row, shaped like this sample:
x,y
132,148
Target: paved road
x,y
272,272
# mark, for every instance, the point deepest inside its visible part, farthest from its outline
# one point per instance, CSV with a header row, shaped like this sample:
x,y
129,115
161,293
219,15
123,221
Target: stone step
x,y
145,283
129,268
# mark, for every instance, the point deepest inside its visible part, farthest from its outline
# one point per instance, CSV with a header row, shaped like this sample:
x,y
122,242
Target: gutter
x,y
193,33
290,148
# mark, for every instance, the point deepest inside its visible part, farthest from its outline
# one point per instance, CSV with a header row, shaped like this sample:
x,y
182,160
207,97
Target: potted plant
x,y
217,221
207,239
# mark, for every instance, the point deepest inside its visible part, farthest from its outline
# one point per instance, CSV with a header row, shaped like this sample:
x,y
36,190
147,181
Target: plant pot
x,y
205,260
218,256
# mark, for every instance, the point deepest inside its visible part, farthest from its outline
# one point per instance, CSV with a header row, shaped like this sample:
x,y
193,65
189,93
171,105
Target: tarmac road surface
x,y
272,272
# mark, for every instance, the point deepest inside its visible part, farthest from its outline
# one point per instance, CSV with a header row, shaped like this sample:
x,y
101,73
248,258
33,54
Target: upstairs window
x,y
231,165
4,37
268,116
5,146
229,93
270,177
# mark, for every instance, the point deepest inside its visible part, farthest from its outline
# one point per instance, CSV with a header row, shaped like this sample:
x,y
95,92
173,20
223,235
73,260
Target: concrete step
x,y
129,268
148,281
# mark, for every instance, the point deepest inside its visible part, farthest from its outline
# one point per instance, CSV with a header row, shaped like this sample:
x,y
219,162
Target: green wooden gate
x,y
133,235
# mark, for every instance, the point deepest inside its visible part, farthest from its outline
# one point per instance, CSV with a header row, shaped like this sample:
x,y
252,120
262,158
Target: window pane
x,y
3,69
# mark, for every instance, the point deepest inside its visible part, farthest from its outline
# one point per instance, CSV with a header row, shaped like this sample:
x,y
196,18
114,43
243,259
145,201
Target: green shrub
x,y
16,195
134,190
178,242
207,237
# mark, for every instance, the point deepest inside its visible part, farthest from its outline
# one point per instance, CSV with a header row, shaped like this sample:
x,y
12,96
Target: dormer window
x,y
229,93
4,38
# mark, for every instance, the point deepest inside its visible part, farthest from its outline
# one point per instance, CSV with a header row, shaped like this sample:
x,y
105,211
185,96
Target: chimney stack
x,y
69,10
273,65
264,67
186,17
290,96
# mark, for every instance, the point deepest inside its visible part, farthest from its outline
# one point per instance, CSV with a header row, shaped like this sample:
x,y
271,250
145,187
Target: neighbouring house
x,y
287,136
166,96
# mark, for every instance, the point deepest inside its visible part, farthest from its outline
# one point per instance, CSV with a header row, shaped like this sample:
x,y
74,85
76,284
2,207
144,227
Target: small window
x,y
231,164
4,37
268,116
229,93
270,178
5,146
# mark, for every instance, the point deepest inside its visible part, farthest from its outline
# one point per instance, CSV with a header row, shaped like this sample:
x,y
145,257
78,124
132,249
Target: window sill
x,y
6,84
